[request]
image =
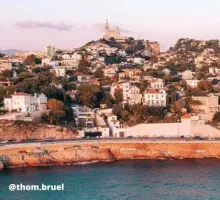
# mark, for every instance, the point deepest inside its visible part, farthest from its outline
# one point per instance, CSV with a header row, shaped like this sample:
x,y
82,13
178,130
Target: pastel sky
x,y
33,24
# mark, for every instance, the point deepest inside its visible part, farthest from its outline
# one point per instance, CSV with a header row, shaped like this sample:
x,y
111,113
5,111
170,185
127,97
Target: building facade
x,y
23,102
155,98
115,33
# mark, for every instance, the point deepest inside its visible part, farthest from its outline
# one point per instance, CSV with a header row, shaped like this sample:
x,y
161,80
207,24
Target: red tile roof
x,y
93,81
186,116
20,94
152,92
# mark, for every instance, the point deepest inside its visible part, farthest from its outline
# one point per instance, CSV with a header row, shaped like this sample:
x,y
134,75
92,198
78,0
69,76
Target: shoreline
x,y
65,153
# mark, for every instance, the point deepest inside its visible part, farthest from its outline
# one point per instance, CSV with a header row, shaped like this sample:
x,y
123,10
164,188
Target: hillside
x,y
186,44
10,52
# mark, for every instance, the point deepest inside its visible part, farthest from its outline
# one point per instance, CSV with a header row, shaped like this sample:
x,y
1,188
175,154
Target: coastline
x,y
64,153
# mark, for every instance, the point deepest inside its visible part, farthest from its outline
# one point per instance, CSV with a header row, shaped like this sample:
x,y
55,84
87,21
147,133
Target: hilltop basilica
x,y
115,33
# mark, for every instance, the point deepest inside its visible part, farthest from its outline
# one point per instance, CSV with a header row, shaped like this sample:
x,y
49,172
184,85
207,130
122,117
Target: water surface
x,y
122,180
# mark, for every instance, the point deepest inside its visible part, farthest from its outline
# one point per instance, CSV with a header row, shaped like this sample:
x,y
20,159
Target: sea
x,y
120,180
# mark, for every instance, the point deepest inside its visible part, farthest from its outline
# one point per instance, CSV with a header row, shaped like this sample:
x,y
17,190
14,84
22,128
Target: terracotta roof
x,y
186,116
152,92
156,80
20,94
93,81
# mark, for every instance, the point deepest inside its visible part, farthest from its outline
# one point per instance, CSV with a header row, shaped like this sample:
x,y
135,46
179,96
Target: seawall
x,y
82,152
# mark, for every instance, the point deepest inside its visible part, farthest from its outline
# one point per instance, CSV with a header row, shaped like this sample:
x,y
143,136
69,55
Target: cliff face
x,y
155,47
15,130
82,152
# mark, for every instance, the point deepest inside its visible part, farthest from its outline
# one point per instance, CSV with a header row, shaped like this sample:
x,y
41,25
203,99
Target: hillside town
x,y
117,87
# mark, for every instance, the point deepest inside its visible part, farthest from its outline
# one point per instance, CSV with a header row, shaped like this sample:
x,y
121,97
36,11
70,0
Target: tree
x,y
118,95
116,110
88,95
124,115
54,104
129,50
215,81
177,106
7,73
205,85
53,93
216,117
143,86
140,45
84,67
112,39
107,99
99,73
33,60
57,111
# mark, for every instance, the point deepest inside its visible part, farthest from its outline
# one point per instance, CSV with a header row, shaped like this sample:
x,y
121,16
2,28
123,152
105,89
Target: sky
x,y
34,24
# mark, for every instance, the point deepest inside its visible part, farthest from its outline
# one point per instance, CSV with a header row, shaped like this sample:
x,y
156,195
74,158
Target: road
x,y
119,140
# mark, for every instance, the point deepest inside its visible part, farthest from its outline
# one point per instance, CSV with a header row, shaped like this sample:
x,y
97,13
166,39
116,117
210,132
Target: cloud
x,y
59,26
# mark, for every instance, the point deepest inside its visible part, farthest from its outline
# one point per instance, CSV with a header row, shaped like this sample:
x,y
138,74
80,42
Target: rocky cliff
x,y
10,130
69,153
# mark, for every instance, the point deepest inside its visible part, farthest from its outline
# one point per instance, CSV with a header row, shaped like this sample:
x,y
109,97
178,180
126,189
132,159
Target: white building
x,y
131,94
192,83
23,102
109,71
49,51
139,61
155,97
71,59
134,96
157,83
84,116
214,70
84,78
46,61
187,75
59,71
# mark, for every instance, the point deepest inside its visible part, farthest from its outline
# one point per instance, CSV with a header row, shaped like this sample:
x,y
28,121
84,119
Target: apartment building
x,y
208,104
131,93
84,116
131,75
5,64
155,97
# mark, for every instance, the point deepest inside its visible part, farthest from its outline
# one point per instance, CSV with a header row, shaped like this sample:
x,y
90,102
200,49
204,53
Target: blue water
x,y
122,180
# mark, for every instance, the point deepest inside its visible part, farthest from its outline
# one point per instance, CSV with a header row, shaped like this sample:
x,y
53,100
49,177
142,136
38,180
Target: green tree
x,y
118,95
33,60
99,73
216,117
88,95
57,111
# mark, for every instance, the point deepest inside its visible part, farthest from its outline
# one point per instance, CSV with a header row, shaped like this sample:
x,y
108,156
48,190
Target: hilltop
x,y
187,44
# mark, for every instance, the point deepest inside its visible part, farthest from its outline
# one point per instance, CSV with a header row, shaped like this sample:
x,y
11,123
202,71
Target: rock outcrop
x,y
1,165
18,131
78,152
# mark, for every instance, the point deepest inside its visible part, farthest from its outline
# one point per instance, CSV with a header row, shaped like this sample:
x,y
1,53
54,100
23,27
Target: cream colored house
x,y
131,94
5,64
155,98
209,104
157,83
192,83
131,75
59,71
